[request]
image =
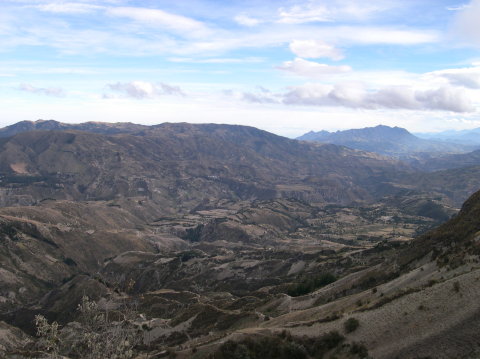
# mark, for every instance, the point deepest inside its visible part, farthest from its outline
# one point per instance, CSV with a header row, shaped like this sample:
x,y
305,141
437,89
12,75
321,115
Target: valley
x,y
209,241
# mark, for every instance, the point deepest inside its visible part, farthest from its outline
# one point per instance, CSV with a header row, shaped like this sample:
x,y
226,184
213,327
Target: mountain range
x,y
183,163
390,141
469,137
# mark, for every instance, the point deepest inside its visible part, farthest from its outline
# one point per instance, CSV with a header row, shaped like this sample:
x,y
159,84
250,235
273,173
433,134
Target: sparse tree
x,y
100,334
49,336
351,324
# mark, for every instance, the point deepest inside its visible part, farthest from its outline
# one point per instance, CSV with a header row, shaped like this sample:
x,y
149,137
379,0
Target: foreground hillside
x,y
428,310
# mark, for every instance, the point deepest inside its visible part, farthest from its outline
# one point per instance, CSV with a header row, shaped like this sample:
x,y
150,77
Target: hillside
x,y
391,141
181,165
449,161
418,302
456,242
234,285
210,238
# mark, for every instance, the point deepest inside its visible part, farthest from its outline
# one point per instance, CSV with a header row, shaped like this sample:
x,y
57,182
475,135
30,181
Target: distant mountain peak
x,y
386,140
379,130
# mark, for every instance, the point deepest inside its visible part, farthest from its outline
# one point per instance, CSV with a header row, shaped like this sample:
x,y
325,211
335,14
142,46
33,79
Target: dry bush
x,y
99,334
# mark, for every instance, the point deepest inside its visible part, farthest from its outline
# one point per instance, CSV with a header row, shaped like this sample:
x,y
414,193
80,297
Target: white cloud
x,y
312,69
217,60
278,35
464,123
137,31
161,19
314,49
50,91
316,94
379,35
143,90
247,20
68,8
284,120
471,80
354,9
466,25
398,97
345,35
468,77
261,97
347,94
336,10
445,98
458,7
356,96
299,14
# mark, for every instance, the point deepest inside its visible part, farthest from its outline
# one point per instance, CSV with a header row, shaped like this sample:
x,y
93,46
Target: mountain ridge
x,y
52,125
391,141
243,159
471,136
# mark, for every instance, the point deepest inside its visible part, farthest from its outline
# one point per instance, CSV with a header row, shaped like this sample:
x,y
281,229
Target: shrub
x,y
309,285
326,343
99,334
456,287
263,348
49,336
351,324
281,346
359,350
194,234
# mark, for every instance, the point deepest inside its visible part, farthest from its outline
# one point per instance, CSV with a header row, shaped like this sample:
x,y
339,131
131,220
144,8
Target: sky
x,y
285,66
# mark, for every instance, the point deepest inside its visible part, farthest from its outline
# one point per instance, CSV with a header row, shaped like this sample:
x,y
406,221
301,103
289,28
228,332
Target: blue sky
x,y
284,66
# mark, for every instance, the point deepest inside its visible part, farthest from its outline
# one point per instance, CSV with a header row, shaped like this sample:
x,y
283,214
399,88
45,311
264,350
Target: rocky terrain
x,y
215,241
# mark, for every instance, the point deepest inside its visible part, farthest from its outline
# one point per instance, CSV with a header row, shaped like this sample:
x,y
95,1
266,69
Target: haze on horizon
x,y
284,66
